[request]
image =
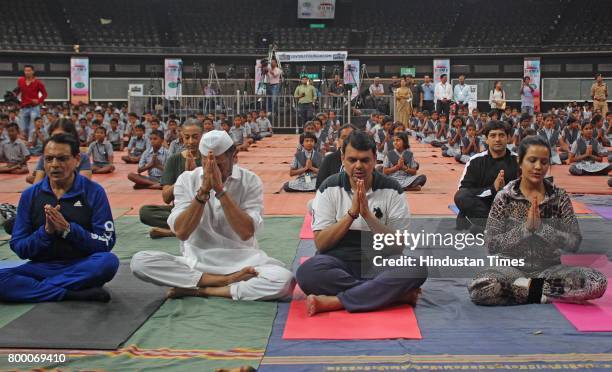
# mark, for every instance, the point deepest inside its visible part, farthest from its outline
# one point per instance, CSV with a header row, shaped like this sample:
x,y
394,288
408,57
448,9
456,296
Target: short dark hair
x,y
596,119
140,126
102,128
157,132
443,75
28,65
66,125
305,135
346,126
496,125
13,125
66,139
529,141
571,120
585,123
359,141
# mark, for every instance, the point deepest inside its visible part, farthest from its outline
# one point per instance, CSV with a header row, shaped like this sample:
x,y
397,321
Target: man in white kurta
x,y
219,252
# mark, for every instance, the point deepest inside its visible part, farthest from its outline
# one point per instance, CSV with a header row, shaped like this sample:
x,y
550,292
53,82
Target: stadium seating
x,y
232,26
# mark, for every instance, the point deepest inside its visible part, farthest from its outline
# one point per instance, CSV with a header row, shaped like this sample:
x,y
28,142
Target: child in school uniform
x,y
305,166
153,161
599,133
239,134
381,137
172,132
400,164
37,138
137,146
265,127
470,144
553,136
585,155
569,135
101,153
441,128
455,137
14,152
114,135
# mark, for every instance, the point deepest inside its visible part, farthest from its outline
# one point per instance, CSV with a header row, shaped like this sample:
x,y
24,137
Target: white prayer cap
x,y
217,141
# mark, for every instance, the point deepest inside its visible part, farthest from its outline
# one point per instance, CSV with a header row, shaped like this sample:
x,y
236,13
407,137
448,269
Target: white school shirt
x,y
214,247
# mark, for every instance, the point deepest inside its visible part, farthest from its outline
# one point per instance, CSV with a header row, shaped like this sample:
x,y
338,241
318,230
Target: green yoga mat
x,y
188,334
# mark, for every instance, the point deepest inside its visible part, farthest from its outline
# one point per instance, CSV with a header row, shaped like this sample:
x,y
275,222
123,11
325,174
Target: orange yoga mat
x,y
393,322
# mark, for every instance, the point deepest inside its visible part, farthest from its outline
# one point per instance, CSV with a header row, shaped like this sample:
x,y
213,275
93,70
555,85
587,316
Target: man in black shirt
x,y
484,175
332,162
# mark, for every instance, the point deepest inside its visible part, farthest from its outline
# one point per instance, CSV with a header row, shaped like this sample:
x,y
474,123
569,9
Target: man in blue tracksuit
x,y
65,228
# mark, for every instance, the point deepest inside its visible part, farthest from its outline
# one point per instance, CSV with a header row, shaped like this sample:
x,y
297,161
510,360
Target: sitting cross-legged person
x,y
217,211
152,161
305,166
65,228
533,220
349,208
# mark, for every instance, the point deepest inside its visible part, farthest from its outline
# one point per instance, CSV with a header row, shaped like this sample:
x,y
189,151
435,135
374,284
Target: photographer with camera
x,y
33,95
272,76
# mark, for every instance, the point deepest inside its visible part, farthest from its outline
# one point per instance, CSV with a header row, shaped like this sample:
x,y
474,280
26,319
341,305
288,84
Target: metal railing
x,y
283,110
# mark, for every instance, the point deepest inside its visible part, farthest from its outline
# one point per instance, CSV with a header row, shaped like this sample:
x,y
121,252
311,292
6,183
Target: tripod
x,y
213,78
197,80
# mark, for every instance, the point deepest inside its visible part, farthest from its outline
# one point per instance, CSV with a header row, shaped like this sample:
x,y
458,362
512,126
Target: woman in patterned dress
x,y
533,221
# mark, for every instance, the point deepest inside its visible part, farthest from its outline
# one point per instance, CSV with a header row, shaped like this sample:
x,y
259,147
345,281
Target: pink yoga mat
x,y
596,315
394,322
306,231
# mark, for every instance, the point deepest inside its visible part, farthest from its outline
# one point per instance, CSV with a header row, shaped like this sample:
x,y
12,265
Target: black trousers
x,y
442,107
428,105
473,207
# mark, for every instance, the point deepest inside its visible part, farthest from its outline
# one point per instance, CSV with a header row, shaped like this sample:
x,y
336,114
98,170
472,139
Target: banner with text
x,y
79,80
440,67
473,98
312,56
531,68
173,70
316,9
351,76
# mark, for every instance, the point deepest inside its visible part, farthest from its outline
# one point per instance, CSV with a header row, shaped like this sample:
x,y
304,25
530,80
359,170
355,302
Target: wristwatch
x,y
219,195
353,216
66,232
206,197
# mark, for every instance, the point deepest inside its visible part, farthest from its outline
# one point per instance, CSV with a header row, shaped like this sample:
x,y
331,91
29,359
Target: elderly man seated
x,y
217,211
64,226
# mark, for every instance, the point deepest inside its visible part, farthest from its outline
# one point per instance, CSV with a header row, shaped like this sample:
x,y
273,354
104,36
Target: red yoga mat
x,y
393,322
596,315
306,231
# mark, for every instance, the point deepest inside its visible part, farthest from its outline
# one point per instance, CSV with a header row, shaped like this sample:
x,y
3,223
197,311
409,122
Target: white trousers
x,y
160,268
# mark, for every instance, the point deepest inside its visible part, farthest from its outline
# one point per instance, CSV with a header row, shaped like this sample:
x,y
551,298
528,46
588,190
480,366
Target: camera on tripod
x,y
11,98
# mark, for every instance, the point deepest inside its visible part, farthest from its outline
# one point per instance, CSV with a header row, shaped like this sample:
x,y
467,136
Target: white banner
x,y
472,98
531,68
440,67
79,80
260,87
351,76
173,71
311,56
316,9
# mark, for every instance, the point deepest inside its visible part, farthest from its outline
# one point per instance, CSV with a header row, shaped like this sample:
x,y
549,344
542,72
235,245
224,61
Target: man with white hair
x,y
217,211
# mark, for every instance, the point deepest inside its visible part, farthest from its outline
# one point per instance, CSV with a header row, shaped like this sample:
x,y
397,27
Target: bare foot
x,y
156,233
243,275
319,304
184,292
411,297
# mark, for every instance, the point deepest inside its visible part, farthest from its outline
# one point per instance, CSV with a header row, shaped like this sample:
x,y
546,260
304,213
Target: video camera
x,y
11,98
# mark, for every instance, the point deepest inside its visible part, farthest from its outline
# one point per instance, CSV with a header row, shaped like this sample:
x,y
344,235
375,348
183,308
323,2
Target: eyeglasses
x,y
60,159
